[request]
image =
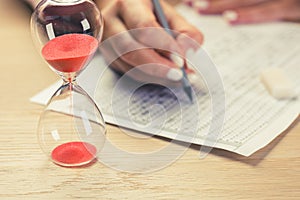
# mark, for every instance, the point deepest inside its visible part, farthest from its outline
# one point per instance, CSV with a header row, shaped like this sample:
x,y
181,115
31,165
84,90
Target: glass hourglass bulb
x,y
71,129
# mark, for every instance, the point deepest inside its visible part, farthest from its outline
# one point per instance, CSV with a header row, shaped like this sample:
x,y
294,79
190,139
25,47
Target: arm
x,y
249,11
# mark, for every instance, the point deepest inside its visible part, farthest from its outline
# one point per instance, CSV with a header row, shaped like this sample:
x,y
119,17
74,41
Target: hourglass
x,y
71,129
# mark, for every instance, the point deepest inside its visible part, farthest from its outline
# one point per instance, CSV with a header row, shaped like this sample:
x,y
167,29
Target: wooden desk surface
x,y
272,173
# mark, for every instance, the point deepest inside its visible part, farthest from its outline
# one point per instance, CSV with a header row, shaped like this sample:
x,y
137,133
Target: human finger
x,y
138,72
187,36
265,12
150,31
133,53
291,10
219,6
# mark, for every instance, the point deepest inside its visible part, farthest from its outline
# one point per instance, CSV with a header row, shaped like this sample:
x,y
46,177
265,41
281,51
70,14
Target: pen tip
x,y
188,92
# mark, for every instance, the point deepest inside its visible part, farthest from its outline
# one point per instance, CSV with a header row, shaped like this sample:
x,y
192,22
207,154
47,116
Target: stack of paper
x,y
252,118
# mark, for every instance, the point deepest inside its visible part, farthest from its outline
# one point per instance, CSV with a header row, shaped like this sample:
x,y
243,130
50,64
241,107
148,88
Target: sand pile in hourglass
x,y
70,52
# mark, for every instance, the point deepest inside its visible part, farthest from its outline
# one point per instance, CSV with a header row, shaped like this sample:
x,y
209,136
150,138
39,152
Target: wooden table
x,y
26,173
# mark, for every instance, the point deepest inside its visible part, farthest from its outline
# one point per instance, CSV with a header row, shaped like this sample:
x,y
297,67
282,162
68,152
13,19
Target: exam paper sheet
x,y
253,118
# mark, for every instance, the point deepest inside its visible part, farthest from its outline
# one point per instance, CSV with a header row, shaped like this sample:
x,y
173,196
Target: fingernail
x,y
197,80
193,77
174,74
230,15
201,4
177,60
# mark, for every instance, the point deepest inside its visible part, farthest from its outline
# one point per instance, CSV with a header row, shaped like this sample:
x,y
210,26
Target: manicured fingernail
x,y
177,60
193,77
197,80
174,74
230,15
201,4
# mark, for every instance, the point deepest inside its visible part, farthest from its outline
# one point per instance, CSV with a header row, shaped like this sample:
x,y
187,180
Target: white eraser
x,y
278,83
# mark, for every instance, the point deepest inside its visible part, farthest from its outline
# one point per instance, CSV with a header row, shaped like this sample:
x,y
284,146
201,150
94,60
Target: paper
x,y
253,118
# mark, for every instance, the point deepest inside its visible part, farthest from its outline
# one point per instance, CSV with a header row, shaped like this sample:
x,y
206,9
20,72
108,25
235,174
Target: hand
x,y
159,65
249,11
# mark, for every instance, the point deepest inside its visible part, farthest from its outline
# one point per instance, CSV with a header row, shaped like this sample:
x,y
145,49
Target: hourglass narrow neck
x,y
69,78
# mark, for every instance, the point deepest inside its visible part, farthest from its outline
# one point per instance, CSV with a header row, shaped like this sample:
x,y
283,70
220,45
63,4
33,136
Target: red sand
x,y
70,52
74,153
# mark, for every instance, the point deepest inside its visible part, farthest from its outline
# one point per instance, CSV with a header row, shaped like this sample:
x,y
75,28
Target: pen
x,y
164,23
